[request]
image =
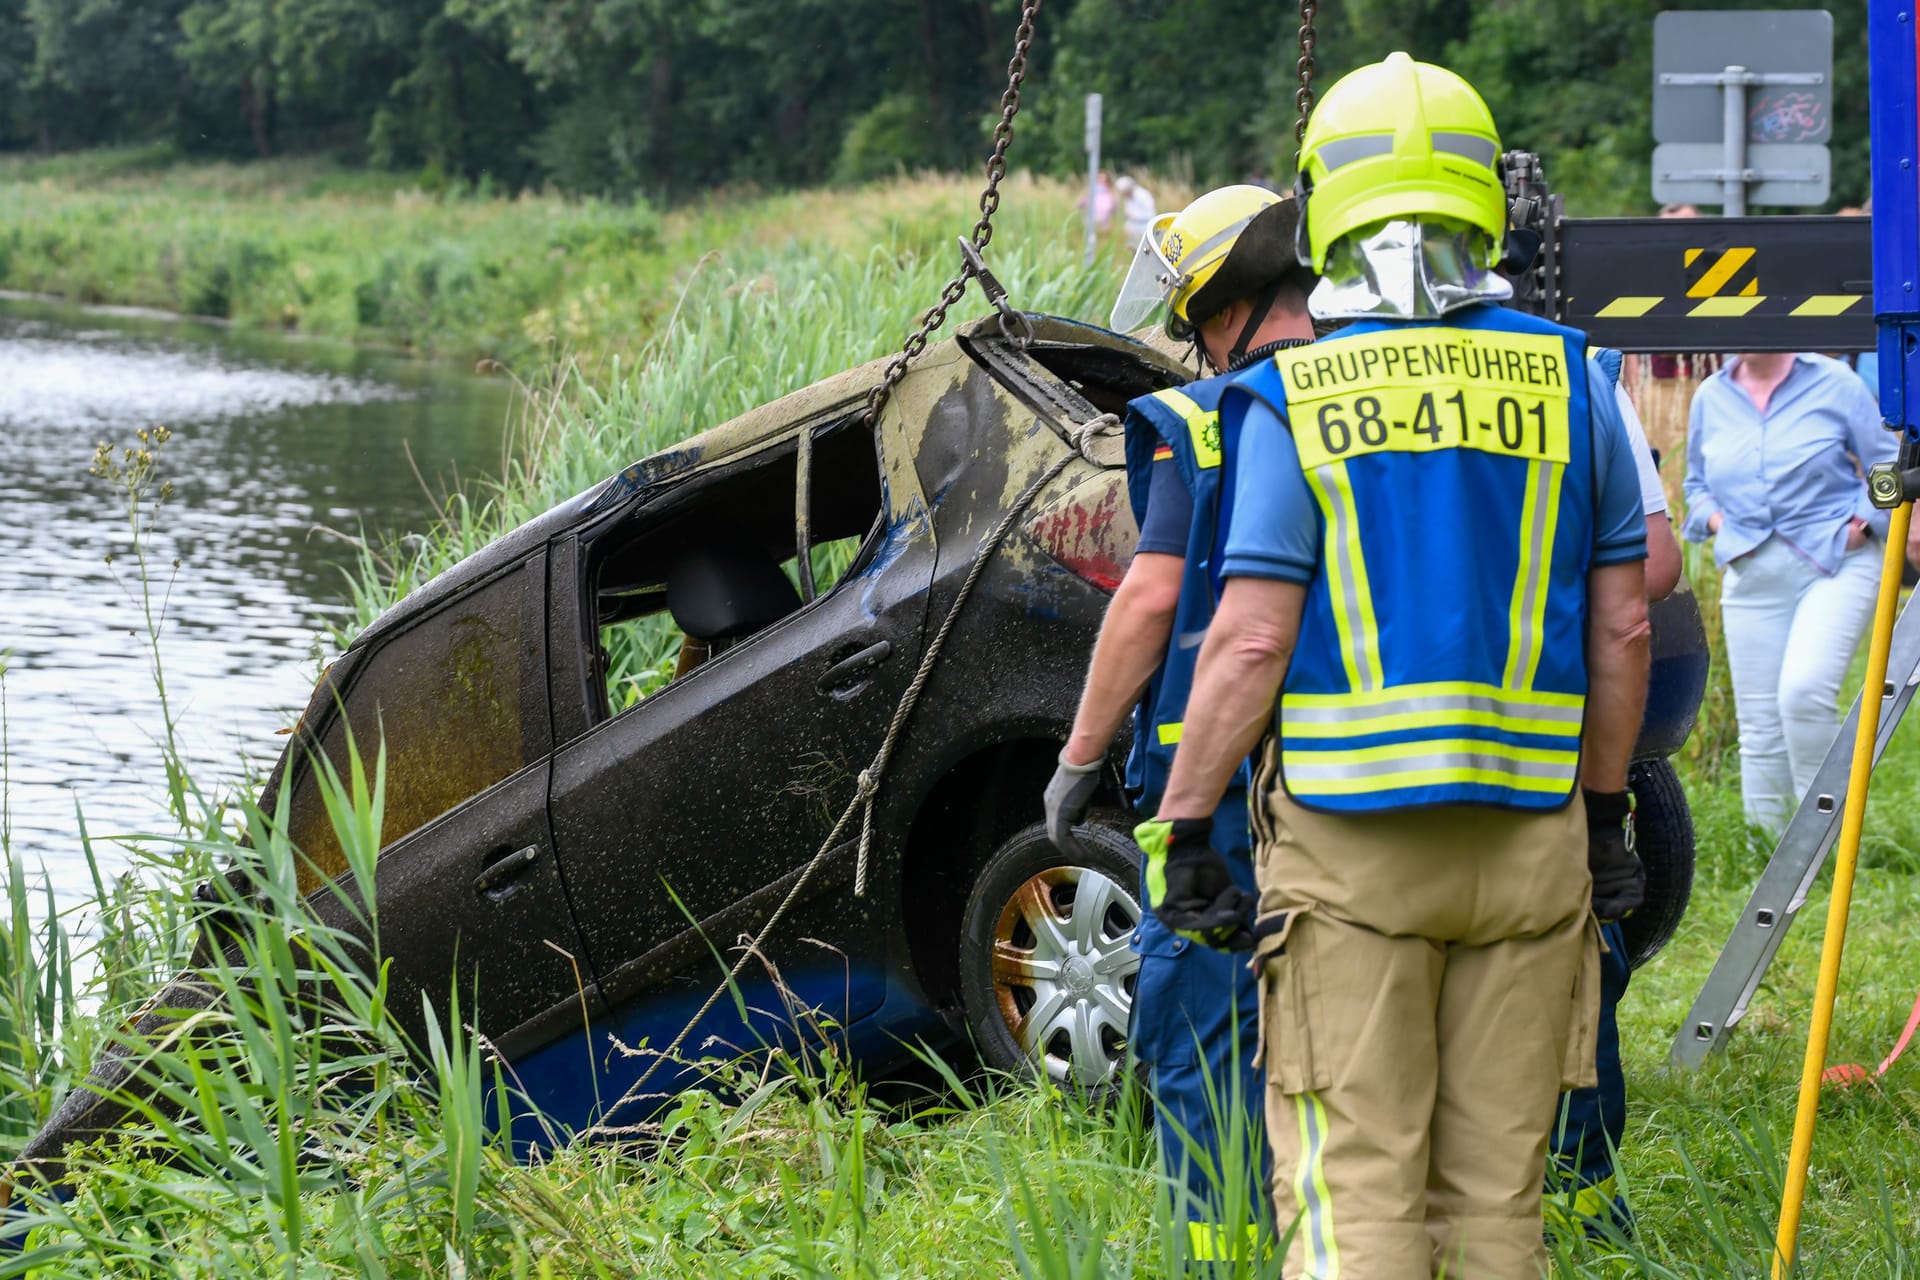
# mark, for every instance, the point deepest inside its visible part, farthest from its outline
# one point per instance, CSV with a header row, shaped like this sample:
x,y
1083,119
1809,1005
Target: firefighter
x,y
1434,613
1591,1124
1225,269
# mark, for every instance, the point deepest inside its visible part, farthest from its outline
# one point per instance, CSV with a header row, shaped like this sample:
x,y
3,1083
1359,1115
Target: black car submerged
x,y
581,867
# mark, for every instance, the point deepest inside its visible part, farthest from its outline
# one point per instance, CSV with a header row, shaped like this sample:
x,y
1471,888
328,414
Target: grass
x,y
359,1152
302,246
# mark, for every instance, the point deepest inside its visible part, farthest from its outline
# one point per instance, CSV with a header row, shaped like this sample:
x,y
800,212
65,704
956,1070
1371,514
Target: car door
x,y
699,804
468,890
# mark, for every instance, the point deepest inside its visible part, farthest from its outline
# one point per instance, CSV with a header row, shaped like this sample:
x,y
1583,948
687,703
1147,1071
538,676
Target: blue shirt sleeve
x,y
1274,531
1869,442
1169,517
1620,526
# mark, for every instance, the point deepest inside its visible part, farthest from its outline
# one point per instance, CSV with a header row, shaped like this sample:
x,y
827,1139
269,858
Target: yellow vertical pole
x,y
1808,1112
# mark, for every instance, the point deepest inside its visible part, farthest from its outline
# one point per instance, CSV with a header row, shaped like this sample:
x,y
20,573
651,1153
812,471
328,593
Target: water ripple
x,y
269,442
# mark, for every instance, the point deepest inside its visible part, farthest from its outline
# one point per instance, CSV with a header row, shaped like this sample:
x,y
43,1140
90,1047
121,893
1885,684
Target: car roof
x,y
755,429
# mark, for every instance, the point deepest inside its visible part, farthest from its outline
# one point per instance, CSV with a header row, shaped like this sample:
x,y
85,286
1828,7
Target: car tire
x,y
1663,832
1047,966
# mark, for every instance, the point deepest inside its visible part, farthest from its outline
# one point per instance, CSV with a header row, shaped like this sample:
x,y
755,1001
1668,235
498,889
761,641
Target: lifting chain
x,y
1303,97
982,230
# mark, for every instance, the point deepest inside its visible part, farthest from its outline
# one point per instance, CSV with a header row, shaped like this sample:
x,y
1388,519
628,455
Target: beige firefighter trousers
x,y
1435,986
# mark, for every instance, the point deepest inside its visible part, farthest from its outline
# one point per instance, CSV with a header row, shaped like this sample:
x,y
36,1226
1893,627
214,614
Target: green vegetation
x,y
526,282
613,97
275,1166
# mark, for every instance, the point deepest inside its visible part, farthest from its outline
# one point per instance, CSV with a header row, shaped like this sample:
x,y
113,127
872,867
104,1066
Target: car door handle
x,y
854,670
498,872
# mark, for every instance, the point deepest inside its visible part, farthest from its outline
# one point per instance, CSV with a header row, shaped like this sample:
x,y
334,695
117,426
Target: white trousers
x,y
1791,634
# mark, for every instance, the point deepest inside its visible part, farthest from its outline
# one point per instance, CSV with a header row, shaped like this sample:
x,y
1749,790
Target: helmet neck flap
x,y
1407,269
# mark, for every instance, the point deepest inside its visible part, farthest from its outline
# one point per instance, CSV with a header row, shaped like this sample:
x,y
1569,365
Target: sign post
x,y
1093,169
1742,107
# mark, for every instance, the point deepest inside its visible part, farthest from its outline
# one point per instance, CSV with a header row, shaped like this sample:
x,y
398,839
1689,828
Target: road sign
x,y
1738,78
1787,42
1777,173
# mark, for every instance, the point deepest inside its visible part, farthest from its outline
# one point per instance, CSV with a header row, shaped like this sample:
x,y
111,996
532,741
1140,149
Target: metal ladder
x,y
1796,862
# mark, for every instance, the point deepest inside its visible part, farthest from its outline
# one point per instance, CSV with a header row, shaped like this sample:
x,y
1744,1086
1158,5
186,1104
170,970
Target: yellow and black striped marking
x,y
1640,306
1728,273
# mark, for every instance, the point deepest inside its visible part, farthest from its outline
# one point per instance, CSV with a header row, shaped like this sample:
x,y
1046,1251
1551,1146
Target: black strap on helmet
x,y
1255,318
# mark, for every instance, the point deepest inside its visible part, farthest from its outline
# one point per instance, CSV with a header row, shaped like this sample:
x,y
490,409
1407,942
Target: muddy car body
x,y
585,871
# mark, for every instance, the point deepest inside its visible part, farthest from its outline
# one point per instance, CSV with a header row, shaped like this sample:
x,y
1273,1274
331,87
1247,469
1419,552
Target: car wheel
x,y
1047,966
1663,832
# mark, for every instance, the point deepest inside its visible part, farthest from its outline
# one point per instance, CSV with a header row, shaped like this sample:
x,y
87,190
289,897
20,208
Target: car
x,y
582,849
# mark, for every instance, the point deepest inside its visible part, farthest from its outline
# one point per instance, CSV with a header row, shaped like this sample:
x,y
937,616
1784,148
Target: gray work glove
x,y
1619,877
1068,797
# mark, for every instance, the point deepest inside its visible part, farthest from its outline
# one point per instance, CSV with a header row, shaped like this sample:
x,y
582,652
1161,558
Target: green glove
x,y
1191,889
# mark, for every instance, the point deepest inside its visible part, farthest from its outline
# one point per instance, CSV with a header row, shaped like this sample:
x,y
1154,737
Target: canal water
x,y
274,443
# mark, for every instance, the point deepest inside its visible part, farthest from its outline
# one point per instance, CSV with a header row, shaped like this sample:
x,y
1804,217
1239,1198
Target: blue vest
x,y
1441,656
1182,424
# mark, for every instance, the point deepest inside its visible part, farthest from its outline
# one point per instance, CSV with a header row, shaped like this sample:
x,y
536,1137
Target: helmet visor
x,y
1151,281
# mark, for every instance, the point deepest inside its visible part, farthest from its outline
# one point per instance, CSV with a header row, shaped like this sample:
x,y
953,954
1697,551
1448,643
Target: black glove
x,y
1190,887
1067,798
1619,878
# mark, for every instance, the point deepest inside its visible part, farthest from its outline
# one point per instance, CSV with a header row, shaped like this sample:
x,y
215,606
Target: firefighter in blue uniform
x,y
1225,270
1433,612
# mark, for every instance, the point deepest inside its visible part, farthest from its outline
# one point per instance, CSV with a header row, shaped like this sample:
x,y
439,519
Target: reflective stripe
x,y
1170,733
1447,777
1310,1190
1346,565
1492,711
1190,261
1211,1242
1431,706
1341,152
1202,425
1526,620
1448,755
1471,145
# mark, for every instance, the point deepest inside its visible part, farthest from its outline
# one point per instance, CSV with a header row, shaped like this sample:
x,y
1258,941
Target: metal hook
x,y
1014,325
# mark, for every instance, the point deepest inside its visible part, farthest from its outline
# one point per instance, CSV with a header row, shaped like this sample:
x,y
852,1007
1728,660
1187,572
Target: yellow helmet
x,y
1399,139
1201,259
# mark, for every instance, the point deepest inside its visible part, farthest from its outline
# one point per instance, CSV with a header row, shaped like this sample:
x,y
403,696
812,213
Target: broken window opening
x,y
1106,378
705,568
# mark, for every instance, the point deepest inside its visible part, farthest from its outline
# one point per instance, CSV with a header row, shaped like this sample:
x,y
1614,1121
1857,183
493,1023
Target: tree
x,y
102,70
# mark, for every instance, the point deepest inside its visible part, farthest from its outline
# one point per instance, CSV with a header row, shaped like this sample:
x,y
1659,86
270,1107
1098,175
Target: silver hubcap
x,y
1063,972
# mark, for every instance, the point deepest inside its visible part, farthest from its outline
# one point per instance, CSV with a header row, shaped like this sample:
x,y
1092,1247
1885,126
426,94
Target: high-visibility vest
x,y
1441,655
1181,426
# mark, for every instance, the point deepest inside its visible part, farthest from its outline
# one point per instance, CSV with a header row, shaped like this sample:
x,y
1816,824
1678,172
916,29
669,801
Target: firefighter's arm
x,y
1619,643
1132,643
1241,667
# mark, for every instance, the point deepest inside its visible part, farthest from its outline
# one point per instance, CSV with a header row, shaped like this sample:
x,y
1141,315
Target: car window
x,y
459,698
698,572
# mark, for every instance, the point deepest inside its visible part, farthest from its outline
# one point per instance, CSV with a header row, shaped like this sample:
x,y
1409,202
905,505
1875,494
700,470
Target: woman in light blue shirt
x,y
1777,447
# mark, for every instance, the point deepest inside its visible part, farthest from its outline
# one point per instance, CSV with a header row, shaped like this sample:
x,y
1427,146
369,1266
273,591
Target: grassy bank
x,y
278,1168
300,246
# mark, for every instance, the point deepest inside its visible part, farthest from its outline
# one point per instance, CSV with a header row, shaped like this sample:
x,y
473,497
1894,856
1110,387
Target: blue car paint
x,y
576,1082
